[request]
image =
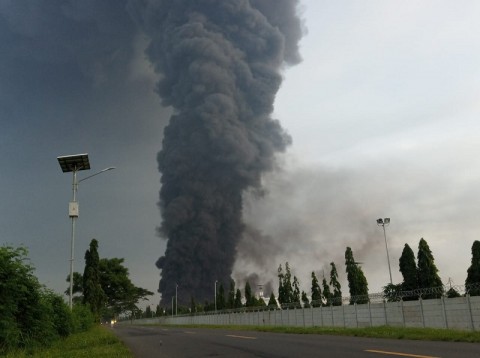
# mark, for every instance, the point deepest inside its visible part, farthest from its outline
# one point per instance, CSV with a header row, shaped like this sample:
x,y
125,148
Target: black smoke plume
x,y
220,62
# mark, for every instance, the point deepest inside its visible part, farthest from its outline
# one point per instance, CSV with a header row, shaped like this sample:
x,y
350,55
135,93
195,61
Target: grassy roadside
x,y
425,334
97,342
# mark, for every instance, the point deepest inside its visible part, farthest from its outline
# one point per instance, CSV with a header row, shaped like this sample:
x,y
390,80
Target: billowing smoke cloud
x,y
220,61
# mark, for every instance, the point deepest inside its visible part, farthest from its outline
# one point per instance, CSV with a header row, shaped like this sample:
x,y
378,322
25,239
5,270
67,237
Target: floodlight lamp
x,y
380,221
387,221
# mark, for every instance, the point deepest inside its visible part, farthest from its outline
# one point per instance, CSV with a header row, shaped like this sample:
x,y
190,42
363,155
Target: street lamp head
x,y
387,221
380,221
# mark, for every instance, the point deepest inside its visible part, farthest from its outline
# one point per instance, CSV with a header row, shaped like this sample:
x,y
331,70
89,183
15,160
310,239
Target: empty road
x,y
165,342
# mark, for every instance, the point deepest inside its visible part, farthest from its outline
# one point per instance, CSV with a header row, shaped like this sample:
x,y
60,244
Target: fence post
x,y
356,313
344,320
321,314
331,310
385,312
445,320
421,311
370,313
403,313
303,314
311,308
470,310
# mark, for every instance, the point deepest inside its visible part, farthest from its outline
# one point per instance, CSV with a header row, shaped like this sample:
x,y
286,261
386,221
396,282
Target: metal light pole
x,y
176,300
385,222
216,296
75,163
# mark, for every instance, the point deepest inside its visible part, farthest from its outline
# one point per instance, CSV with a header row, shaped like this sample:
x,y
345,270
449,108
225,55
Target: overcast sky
x,y
383,112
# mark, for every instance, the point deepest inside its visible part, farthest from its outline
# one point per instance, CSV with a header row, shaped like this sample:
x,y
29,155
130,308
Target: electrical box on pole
x,y
73,209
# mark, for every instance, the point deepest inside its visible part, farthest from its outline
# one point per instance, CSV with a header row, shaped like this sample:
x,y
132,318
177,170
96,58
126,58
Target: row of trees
x,y
105,286
30,314
420,279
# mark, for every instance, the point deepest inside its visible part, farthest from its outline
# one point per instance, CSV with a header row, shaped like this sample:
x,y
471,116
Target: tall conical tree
x,y
93,295
408,268
357,282
473,273
221,297
287,284
238,299
427,271
249,297
337,289
296,292
326,293
231,295
316,291
272,302
281,291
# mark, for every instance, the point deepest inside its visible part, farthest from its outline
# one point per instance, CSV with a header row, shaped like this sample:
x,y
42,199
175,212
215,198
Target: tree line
x,y
420,280
33,315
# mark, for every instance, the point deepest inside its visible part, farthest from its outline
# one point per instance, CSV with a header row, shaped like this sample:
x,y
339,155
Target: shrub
x,y
30,314
82,318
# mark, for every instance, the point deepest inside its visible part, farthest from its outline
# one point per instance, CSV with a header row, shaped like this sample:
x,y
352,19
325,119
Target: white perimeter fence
x,y
449,313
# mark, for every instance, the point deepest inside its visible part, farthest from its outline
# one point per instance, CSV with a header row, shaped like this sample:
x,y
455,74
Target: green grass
x,y
426,334
97,342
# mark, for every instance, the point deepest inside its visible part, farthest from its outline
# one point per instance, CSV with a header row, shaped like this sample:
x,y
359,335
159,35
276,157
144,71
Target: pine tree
x,y
249,298
287,285
296,292
238,299
473,273
326,293
316,291
408,268
93,295
427,271
231,295
272,302
357,282
148,312
337,289
281,291
221,297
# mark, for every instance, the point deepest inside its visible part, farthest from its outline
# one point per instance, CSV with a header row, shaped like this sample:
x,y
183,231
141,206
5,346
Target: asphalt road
x,y
162,342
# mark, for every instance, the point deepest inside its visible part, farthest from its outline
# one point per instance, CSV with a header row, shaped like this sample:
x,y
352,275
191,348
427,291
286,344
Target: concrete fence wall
x,y
450,313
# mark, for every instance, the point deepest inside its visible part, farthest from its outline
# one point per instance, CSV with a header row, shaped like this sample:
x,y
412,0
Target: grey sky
x,y
383,112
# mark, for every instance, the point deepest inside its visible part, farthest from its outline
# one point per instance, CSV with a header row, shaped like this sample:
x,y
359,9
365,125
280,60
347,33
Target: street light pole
x,y
176,300
385,222
73,213
75,163
216,296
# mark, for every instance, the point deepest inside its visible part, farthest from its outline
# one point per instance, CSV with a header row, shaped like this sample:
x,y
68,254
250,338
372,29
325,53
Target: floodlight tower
x,y
383,223
75,163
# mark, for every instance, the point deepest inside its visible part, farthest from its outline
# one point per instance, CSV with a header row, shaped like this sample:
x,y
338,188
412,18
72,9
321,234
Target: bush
x,y
82,318
30,314
20,311
61,316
